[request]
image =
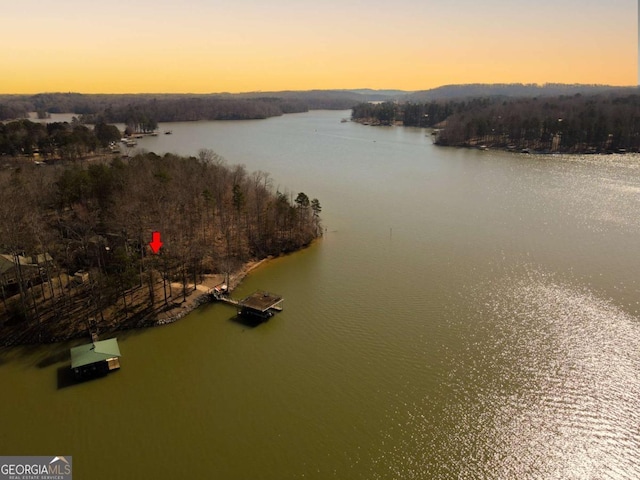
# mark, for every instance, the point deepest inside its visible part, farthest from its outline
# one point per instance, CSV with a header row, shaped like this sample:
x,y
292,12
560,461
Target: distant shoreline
x,y
477,144
526,151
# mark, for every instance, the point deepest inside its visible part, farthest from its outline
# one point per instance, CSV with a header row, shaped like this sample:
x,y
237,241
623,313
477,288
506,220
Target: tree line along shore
x,y
74,238
580,123
145,108
24,139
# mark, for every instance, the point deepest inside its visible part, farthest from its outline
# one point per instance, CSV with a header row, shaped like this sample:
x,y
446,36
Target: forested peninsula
x,y
74,238
601,122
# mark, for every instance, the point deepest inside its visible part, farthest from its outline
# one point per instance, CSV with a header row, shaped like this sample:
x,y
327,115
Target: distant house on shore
x,y
16,267
81,277
11,271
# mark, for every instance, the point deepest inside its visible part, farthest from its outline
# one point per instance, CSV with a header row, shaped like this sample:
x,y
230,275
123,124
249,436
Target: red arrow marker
x,y
155,243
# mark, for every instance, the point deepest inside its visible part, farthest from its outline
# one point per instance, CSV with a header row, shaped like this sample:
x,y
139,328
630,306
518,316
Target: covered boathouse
x,y
260,305
95,359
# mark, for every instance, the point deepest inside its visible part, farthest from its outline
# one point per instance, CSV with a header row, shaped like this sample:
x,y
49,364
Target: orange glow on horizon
x,y
289,47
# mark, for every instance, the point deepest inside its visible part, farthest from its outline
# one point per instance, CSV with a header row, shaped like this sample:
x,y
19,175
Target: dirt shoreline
x,y
140,316
201,295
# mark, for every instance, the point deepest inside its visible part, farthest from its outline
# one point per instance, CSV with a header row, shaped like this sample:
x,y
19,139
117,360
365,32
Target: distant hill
x,y
314,99
330,99
379,94
480,90
176,107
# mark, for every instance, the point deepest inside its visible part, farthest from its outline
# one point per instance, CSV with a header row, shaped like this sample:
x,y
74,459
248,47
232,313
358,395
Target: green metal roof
x,y
94,352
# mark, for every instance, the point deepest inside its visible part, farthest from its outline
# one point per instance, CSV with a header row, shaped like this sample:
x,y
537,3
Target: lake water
x,y
468,314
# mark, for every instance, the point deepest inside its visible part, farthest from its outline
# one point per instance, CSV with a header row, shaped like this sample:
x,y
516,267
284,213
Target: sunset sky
x,y
202,46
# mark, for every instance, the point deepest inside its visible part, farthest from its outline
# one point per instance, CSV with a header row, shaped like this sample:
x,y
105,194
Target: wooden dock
x,y
228,300
260,302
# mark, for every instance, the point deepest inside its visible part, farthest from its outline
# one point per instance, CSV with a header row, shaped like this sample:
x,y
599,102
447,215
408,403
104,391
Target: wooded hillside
x,y
575,124
128,108
96,222
578,123
56,140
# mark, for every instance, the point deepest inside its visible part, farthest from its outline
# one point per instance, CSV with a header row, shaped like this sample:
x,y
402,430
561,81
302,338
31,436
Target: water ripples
x,y
544,384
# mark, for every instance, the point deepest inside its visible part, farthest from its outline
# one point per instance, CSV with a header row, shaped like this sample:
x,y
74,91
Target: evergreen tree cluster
x,y
409,114
144,115
68,141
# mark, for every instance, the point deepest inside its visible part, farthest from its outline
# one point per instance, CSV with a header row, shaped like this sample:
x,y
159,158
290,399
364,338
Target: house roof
x,y
94,352
41,258
5,263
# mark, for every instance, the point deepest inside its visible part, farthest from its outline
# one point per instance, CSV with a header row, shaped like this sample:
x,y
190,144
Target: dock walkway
x,y
225,299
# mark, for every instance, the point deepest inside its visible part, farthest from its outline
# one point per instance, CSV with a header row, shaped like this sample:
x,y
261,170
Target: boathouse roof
x,y
94,352
261,301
